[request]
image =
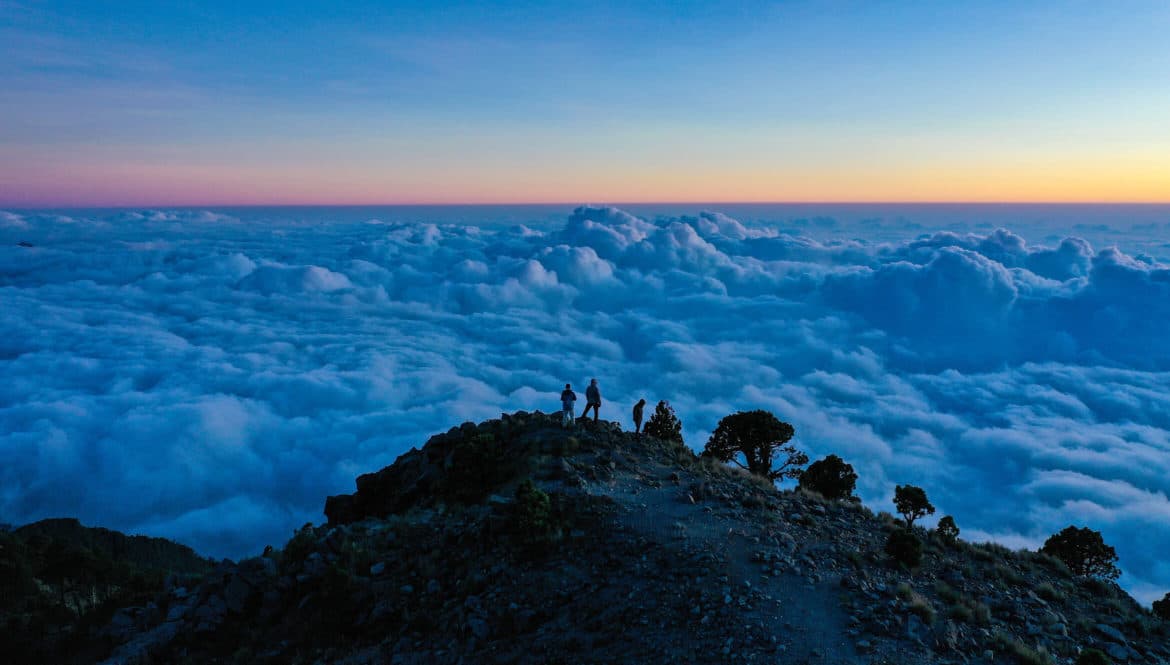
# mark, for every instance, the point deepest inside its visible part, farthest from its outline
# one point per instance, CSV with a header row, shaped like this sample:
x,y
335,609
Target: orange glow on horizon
x,y
131,184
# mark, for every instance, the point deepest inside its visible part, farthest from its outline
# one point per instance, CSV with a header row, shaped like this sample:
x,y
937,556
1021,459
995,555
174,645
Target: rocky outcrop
x,y
463,465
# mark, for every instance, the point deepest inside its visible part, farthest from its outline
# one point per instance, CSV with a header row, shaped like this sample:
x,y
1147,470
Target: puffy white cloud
x,y
11,220
580,266
194,375
281,279
956,303
608,231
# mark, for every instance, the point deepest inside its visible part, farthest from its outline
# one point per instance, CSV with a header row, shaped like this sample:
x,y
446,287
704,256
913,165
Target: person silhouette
x,y
568,397
638,416
592,400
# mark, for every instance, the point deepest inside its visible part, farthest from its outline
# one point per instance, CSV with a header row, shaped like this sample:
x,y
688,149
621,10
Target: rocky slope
x,y
61,583
625,550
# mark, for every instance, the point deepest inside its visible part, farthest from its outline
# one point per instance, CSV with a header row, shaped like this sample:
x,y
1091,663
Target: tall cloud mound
x,y
196,376
959,302
608,231
282,279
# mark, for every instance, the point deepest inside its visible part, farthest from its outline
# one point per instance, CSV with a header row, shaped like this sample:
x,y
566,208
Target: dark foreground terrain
x,y
517,541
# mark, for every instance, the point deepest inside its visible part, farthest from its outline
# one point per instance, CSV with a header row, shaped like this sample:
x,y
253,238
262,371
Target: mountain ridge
x,y
518,540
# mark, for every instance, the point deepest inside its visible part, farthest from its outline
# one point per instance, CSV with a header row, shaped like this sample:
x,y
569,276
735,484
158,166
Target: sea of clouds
x,y
212,377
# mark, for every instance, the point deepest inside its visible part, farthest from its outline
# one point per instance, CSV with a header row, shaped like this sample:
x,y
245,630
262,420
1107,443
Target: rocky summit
x,y
519,541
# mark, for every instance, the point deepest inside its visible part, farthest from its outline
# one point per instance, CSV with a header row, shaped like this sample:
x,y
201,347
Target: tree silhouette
x,y
664,424
947,529
831,477
1084,552
911,503
757,436
1162,607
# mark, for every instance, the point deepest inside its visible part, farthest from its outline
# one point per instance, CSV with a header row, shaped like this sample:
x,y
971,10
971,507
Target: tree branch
x,y
737,463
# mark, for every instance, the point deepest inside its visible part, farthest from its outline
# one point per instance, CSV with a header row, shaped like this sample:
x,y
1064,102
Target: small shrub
x,y
1048,592
998,550
981,553
1138,624
1119,604
663,424
946,593
1024,654
854,557
1052,563
916,603
911,502
1098,587
757,436
904,591
302,543
919,605
763,485
1092,657
831,477
1084,552
1008,574
961,614
904,547
532,512
476,465
1141,624
1082,625
1162,607
981,613
947,530
753,501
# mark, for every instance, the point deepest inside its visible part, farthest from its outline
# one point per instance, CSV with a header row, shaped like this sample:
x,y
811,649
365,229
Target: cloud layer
x,y
212,379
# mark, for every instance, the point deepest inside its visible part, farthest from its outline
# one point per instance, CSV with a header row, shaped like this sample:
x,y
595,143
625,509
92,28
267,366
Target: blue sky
x,y
300,102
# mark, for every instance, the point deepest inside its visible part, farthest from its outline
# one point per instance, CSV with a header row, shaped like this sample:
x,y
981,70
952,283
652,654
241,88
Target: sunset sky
x,y
217,103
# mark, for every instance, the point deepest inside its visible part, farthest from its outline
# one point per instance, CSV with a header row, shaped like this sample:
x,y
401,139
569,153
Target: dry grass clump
x,y
916,603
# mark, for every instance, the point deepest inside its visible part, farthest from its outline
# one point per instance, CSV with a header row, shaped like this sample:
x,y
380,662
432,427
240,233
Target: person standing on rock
x,y
638,416
592,400
568,398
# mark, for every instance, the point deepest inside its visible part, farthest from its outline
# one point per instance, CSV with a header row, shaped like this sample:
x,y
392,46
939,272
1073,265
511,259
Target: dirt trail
x,y
801,615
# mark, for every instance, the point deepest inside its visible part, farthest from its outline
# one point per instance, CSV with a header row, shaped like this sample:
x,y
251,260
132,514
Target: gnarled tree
x,y
756,437
1084,552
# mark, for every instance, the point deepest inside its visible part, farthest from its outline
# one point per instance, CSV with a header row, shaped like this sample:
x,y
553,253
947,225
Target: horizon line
x,y
469,204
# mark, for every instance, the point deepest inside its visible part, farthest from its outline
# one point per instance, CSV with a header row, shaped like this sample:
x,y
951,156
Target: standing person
x,y
592,399
568,397
638,416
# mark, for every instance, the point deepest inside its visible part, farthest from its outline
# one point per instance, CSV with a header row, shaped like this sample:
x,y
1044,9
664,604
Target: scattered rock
x,y
1110,632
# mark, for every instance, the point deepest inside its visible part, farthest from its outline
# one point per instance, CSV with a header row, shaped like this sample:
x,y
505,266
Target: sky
x,y
212,375
136,103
